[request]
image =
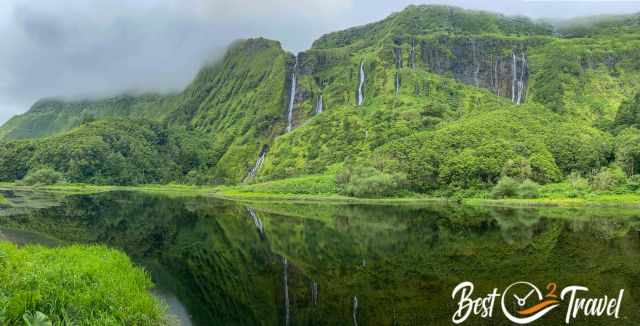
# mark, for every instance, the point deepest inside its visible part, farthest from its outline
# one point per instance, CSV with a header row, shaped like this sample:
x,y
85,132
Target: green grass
x,y
307,185
321,188
75,285
3,201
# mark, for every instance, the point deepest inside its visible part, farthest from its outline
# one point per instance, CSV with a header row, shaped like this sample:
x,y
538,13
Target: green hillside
x,y
54,116
431,99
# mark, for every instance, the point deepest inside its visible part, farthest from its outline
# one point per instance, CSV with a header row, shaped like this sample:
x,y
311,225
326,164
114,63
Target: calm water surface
x,y
218,262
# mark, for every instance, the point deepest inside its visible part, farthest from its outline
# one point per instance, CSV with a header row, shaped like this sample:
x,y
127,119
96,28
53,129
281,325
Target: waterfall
x,y
263,154
292,96
314,293
286,291
398,55
514,69
256,221
355,311
476,63
319,104
517,82
521,81
496,80
361,85
412,54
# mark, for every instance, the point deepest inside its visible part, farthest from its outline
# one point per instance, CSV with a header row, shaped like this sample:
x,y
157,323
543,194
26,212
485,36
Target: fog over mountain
x,y
80,48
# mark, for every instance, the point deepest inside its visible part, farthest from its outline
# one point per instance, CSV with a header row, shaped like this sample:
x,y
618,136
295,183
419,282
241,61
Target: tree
x,y
628,150
629,113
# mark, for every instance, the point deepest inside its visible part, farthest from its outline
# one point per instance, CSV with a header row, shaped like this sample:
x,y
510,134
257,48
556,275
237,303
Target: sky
x,y
99,48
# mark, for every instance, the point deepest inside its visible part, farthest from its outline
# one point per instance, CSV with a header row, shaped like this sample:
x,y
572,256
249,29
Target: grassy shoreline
x,y
237,193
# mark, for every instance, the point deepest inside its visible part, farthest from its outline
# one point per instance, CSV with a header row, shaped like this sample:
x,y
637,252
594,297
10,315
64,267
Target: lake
x,y
220,262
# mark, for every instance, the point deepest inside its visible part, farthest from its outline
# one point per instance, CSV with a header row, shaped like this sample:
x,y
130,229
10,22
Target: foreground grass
x,y
75,285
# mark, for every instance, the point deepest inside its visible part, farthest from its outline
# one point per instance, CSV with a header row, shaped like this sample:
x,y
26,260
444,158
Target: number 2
x,y
552,287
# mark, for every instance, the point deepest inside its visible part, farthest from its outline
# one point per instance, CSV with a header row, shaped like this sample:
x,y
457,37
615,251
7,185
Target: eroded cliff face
x,y
498,64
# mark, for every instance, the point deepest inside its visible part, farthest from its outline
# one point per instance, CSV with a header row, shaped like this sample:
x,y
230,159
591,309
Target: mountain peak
x,y
426,19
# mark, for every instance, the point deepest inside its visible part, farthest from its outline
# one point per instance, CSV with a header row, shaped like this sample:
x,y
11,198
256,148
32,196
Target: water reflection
x,y
312,264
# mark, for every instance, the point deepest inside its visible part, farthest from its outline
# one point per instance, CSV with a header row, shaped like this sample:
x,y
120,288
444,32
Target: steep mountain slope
x,y
408,88
438,96
239,102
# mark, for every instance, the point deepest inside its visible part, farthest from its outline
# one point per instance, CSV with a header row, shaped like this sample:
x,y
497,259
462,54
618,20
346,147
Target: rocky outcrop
x,y
500,65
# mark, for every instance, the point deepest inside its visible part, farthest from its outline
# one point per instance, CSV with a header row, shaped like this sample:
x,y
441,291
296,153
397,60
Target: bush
x,y
506,187
369,182
633,183
44,176
528,189
608,178
577,182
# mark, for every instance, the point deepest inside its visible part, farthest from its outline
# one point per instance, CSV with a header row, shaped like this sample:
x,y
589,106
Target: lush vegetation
x,y
438,116
110,151
76,285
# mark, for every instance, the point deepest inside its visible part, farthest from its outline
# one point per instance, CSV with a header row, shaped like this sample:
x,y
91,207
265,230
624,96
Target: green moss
x,y
84,285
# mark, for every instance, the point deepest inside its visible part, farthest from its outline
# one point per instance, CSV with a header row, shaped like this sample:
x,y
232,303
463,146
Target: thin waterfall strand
x,y
319,105
263,154
314,293
521,80
355,311
256,220
292,97
514,69
412,55
361,85
285,264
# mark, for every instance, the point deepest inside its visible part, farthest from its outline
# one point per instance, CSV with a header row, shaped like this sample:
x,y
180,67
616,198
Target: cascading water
x,y
496,81
256,221
314,293
355,311
514,69
521,81
517,82
263,154
319,105
412,54
361,85
398,55
292,97
476,62
285,265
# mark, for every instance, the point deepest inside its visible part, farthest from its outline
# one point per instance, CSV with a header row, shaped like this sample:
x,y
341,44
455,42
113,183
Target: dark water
x,y
223,263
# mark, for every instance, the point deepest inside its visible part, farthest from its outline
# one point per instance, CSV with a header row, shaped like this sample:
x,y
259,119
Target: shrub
x,y
44,176
506,187
528,189
633,183
369,182
577,182
608,178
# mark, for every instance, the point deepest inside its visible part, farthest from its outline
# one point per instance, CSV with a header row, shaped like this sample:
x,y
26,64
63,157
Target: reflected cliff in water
x,y
232,263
